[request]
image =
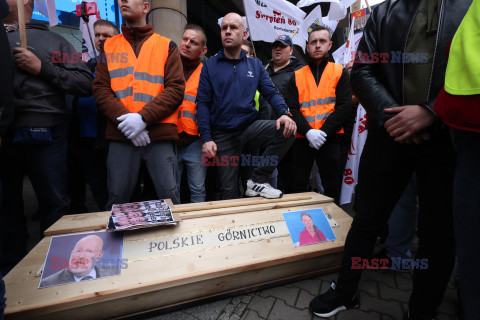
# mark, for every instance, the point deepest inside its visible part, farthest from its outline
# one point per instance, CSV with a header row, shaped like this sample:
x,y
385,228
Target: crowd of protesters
x,y
147,112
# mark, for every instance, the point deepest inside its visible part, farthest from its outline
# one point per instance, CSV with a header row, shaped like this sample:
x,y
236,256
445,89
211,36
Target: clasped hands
x,y
409,123
316,138
133,127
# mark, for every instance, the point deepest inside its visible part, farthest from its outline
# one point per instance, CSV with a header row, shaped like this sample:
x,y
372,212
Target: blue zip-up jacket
x,y
226,93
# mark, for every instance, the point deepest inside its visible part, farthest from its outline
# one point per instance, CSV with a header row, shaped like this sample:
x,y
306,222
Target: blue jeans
x,y
466,218
46,166
190,158
402,224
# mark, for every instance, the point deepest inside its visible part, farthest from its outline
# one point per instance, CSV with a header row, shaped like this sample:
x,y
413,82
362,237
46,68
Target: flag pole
x,y
249,30
368,6
21,23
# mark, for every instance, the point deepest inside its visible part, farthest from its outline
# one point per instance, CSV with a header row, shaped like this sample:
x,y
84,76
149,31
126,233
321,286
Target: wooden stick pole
x,y
249,30
21,23
368,6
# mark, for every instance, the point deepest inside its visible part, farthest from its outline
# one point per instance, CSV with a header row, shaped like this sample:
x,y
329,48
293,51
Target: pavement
x,y
383,294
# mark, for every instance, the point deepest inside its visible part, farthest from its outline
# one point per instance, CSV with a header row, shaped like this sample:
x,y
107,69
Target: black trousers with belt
x,y
328,162
385,169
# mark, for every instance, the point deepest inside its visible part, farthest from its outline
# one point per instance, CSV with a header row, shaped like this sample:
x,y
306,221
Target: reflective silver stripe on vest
x,y
122,94
310,119
308,104
142,97
188,114
148,77
323,116
189,98
119,73
327,100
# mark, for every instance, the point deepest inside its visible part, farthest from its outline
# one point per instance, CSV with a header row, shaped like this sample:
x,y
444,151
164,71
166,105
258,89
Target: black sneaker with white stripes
x,y
263,190
331,302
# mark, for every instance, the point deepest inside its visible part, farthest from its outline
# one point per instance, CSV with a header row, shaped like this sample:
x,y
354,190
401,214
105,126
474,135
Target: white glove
x,y
141,140
316,138
131,124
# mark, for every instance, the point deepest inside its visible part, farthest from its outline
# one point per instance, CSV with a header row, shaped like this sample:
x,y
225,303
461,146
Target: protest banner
x,y
267,19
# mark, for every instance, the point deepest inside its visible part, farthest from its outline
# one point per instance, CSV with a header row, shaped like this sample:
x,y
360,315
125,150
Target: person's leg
x,y
196,172
384,171
402,225
285,172
301,166
46,166
123,165
161,160
181,153
264,134
94,162
466,218
229,147
13,229
328,163
436,244
77,189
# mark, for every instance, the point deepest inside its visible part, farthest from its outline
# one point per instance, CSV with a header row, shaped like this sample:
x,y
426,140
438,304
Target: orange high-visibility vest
x,y
136,81
317,103
187,117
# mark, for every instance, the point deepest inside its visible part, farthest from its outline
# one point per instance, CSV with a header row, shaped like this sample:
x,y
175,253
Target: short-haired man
x,y
83,264
189,153
139,87
398,95
37,142
86,138
103,30
226,113
280,69
319,97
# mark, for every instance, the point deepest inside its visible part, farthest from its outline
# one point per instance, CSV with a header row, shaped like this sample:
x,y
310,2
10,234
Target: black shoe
x,y
331,302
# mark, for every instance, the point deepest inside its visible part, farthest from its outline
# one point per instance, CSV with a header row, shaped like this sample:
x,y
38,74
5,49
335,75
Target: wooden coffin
x,y
165,278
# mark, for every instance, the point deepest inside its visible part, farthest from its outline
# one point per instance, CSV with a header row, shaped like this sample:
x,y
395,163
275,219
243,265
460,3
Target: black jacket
x,y
280,79
6,92
39,100
343,104
381,85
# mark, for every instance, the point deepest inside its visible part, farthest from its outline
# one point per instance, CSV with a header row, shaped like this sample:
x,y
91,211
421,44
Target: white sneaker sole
x,y
331,313
251,193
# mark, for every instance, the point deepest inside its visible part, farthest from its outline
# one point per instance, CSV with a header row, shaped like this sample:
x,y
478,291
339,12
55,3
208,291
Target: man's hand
x,y
316,138
210,149
131,124
141,140
409,120
27,61
417,138
290,126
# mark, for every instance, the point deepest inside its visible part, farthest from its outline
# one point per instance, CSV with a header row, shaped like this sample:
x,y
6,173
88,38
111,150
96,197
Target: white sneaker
x,y
262,189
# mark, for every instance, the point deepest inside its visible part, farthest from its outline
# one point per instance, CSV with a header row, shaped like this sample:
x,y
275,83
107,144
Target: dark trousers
x,y
123,165
328,162
46,166
259,134
385,170
466,217
86,163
